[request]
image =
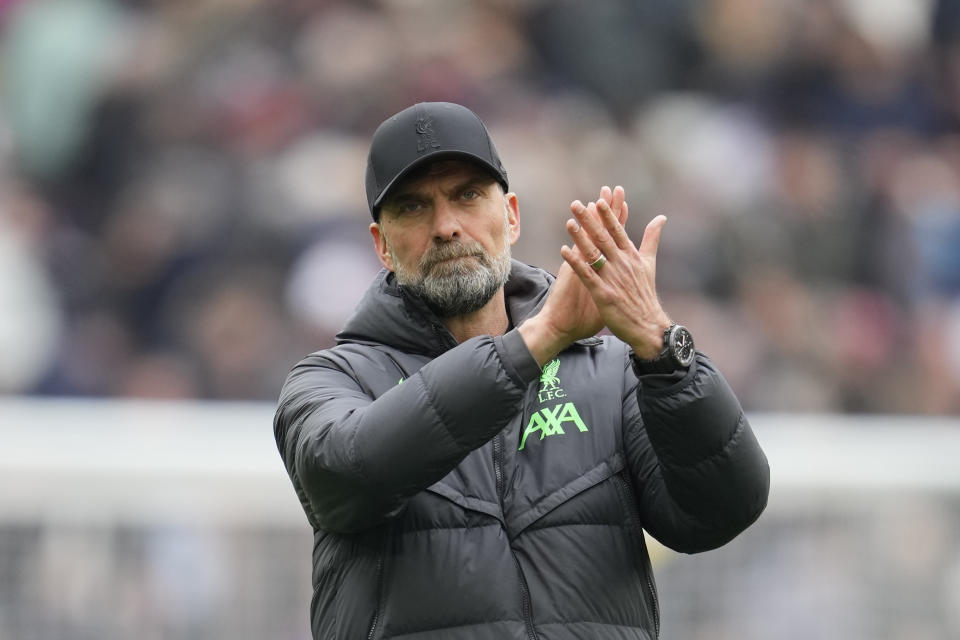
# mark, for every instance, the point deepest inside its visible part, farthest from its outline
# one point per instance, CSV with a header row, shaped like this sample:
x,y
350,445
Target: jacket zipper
x,y
525,603
653,593
380,587
634,524
498,467
525,600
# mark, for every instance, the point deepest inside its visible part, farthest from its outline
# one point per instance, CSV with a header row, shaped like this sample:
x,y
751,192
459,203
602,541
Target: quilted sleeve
x,y
700,474
355,460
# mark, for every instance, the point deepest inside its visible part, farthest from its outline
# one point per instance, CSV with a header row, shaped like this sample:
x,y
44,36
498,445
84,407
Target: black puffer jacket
x,y
459,492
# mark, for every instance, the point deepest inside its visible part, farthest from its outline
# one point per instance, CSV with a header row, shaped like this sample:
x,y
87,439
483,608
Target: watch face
x,y
681,345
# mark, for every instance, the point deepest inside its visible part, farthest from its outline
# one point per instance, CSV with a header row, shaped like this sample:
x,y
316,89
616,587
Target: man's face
x,y
446,234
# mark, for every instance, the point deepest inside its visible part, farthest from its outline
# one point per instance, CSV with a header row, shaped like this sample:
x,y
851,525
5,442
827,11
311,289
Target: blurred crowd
x,y
181,181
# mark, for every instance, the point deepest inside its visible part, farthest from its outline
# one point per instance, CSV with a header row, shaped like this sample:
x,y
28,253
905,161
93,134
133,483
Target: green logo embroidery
x,y
549,382
549,378
549,422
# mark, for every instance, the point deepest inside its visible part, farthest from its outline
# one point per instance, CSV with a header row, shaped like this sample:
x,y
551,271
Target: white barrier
x,y
142,462
160,462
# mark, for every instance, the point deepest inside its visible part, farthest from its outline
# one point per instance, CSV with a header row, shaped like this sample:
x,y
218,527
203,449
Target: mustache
x,y
448,250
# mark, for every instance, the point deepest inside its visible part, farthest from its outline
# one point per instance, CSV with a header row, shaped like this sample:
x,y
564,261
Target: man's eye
x,y
410,207
470,194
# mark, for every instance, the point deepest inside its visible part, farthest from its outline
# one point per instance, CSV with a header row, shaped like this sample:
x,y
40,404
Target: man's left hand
x,y
624,287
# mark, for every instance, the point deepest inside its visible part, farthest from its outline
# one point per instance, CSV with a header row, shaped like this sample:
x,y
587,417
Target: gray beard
x,y
456,287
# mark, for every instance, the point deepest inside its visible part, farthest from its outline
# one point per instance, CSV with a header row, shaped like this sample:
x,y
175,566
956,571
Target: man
x,y
475,463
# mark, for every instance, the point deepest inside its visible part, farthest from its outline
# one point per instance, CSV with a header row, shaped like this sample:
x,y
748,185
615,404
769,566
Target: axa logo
x,y
549,421
426,136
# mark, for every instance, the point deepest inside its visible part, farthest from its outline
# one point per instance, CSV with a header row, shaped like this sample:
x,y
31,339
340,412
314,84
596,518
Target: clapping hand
x,y
618,292
619,276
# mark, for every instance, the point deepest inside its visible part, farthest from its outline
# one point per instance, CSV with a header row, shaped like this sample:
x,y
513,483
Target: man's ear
x,y
513,215
380,245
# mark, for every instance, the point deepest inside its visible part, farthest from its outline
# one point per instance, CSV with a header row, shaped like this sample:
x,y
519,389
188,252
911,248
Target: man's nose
x,y
446,221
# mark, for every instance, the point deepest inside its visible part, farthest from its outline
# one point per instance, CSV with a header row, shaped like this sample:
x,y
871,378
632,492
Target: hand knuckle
x,y
607,296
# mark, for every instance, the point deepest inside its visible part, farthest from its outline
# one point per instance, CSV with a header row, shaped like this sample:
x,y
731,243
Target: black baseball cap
x,y
423,133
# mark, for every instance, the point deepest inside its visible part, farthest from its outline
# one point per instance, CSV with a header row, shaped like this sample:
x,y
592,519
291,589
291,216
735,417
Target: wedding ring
x,y
599,262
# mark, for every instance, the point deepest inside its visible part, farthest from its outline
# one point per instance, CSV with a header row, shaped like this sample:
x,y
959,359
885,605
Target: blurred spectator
x,y
30,329
54,57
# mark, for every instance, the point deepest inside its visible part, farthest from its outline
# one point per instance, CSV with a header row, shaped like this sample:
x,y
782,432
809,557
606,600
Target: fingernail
x,y
576,224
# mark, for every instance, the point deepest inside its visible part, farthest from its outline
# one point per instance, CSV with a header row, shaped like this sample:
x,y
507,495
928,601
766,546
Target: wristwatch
x,y
678,353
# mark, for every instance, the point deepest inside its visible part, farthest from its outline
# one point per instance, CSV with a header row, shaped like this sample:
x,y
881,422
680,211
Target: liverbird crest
x,y
549,378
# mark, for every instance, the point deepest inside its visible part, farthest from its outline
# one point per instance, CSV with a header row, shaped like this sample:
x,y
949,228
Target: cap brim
x,y
431,157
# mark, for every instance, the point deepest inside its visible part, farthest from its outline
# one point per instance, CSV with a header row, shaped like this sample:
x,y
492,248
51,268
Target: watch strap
x,y
663,363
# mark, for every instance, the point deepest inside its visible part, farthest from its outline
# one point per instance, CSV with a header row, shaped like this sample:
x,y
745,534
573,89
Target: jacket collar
x,y
391,315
